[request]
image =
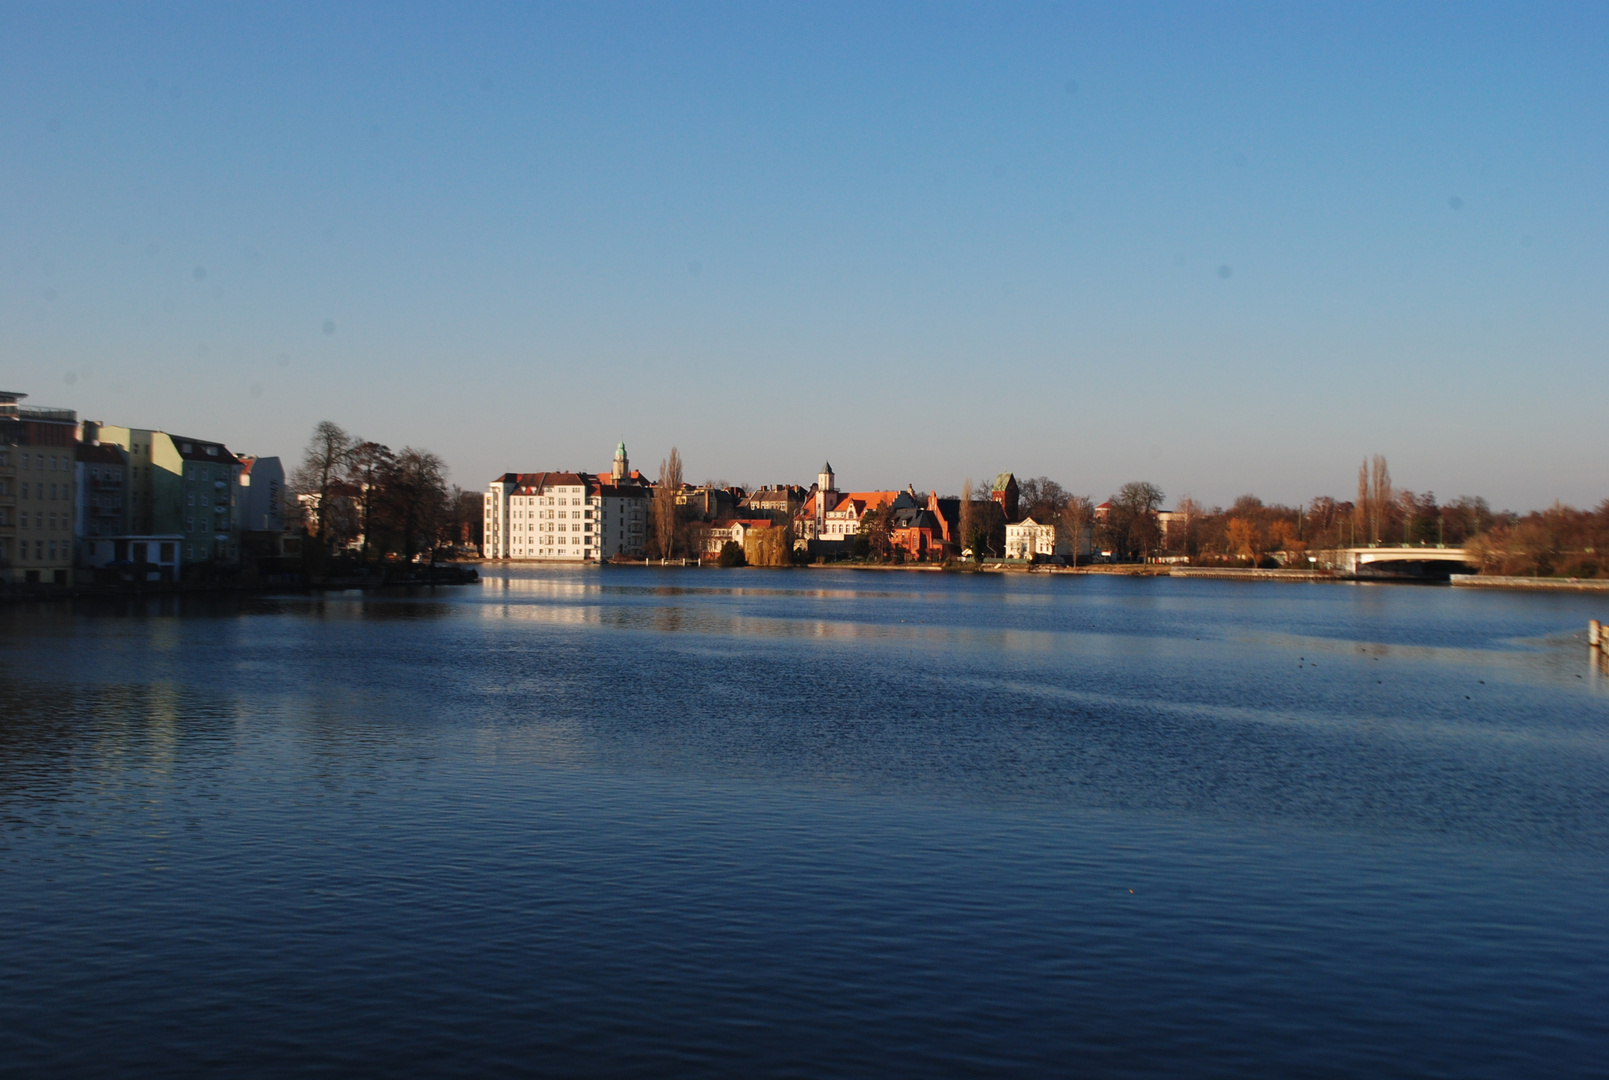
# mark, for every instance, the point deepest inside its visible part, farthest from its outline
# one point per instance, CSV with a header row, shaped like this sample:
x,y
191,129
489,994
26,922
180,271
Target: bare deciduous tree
x,y
1374,499
1360,509
368,464
322,470
1379,497
1130,528
1075,518
414,495
663,510
1185,536
1042,499
462,523
967,517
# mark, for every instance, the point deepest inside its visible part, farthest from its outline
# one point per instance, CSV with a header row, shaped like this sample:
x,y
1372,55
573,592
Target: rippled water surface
x,y
807,823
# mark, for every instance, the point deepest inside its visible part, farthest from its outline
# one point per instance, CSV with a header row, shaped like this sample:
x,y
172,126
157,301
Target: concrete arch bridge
x,y
1397,563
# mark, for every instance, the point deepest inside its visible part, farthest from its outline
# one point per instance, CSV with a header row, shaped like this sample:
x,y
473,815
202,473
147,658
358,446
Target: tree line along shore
x,y
358,503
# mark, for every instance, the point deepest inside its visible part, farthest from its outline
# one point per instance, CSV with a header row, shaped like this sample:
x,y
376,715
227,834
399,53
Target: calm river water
x,y
807,823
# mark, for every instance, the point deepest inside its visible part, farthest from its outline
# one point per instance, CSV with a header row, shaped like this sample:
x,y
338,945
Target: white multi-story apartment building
x,y
567,516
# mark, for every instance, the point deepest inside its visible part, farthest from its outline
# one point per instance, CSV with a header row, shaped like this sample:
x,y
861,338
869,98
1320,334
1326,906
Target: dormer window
x,y
212,451
188,449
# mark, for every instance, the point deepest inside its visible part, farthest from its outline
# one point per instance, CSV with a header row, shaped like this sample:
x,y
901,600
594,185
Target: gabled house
x,y
841,513
707,502
1033,541
919,533
783,500
731,530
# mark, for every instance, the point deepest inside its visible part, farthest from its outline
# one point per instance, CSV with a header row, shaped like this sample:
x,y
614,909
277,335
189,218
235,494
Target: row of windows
x,y
563,514
518,512
39,520
40,461
40,547
50,550
57,491
523,514
565,498
220,550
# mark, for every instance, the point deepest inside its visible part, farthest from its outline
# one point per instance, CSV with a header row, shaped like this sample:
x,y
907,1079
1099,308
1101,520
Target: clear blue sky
x,y
1224,248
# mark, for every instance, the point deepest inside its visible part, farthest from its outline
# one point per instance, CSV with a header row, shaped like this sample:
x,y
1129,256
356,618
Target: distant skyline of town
x,y
83,502
879,479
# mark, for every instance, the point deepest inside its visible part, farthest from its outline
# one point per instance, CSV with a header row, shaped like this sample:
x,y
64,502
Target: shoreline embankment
x,y
1494,581
1231,573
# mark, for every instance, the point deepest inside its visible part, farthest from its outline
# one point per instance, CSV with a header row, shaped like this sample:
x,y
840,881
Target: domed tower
x,y
622,467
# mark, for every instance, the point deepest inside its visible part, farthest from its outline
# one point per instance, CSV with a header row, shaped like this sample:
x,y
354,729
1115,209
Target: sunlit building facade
x,y
567,516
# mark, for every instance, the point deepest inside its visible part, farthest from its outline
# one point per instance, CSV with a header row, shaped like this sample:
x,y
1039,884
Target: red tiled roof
x,y
863,500
536,483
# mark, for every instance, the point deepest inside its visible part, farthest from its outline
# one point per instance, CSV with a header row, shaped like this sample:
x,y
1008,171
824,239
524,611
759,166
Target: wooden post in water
x,y
1595,634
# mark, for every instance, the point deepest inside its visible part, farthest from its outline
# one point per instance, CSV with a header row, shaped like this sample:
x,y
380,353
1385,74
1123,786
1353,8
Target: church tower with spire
x,y
622,467
825,483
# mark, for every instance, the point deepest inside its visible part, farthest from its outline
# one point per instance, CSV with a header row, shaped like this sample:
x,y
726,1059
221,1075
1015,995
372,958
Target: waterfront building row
x,y
576,516
79,498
